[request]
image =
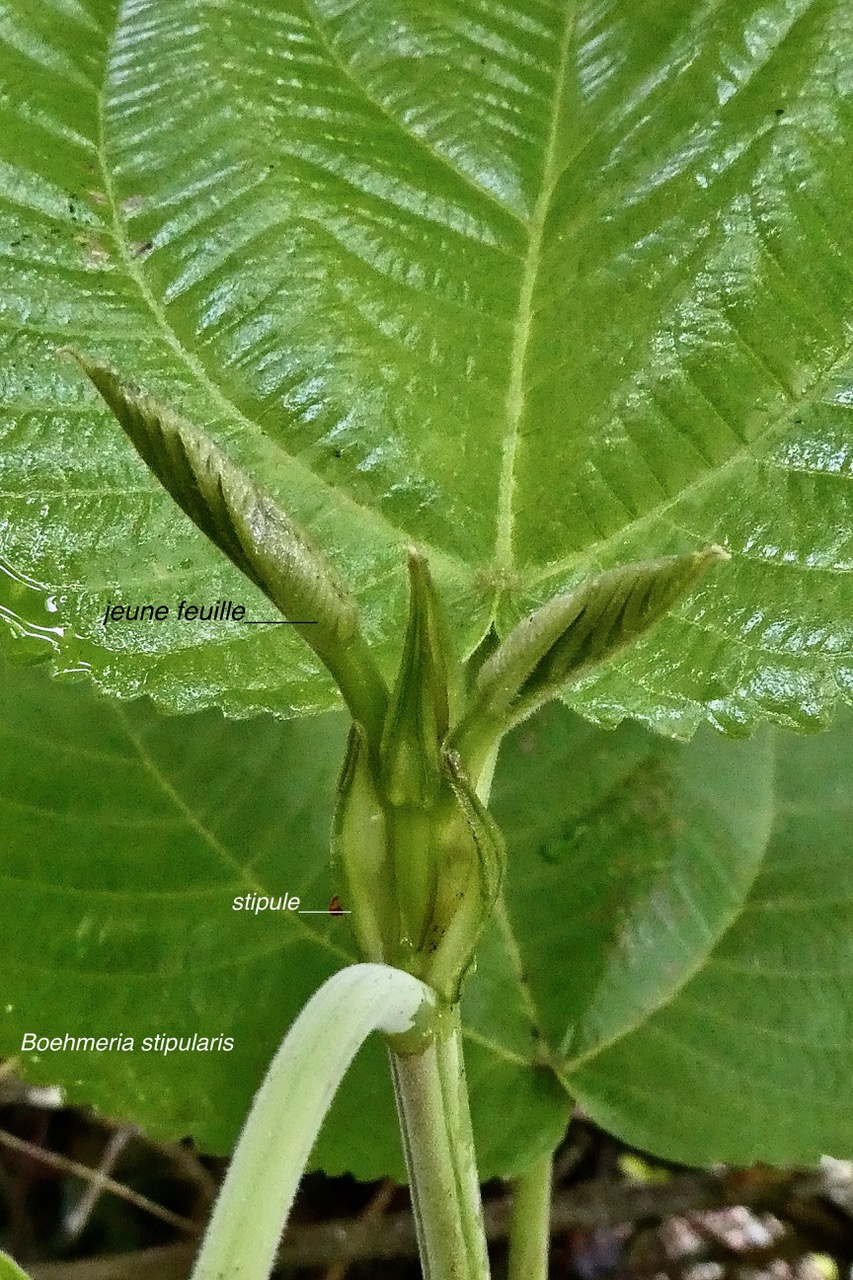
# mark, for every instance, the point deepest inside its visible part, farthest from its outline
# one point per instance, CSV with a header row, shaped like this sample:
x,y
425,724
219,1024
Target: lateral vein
x,y
514,403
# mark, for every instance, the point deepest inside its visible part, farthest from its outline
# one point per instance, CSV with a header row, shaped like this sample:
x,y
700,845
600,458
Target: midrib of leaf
x,y
515,398
195,367
220,851
664,82
571,1064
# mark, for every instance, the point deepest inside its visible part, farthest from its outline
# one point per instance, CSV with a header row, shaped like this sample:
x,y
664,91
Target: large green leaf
x,y
124,839
672,947
688,977
539,286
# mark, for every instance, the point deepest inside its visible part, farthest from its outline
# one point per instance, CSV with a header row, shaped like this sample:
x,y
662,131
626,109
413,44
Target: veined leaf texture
x,y
540,288
671,950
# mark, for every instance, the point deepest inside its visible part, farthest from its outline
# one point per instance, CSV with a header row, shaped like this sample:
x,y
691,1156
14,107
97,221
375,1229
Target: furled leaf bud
x,y
245,522
418,716
567,637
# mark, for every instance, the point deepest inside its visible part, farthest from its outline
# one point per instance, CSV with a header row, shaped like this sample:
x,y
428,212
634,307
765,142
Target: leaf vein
x,y
515,394
199,373
700,961
216,846
321,28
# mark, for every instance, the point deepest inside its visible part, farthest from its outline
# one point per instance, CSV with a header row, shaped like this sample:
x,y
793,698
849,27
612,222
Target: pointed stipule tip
x,y
716,552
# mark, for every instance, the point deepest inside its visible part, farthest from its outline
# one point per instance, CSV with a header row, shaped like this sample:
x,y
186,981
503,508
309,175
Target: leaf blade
x,y
214,266
645,909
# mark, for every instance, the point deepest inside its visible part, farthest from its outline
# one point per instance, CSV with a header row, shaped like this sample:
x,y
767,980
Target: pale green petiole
x,y
435,1123
530,1228
288,1110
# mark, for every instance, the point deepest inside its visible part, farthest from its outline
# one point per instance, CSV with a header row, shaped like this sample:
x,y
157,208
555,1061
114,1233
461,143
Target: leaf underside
x,y
540,287
671,948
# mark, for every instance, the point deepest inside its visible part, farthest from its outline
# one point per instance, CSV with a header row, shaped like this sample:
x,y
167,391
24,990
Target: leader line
x,y
281,622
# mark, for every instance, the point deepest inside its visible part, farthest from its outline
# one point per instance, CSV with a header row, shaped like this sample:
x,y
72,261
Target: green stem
x,y
432,1104
530,1226
438,1141
282,1126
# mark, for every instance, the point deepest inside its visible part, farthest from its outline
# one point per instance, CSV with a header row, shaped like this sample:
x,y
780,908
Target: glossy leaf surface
x,y
541,286
671,947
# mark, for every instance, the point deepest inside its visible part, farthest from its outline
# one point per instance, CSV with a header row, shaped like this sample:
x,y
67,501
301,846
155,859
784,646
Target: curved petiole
x,y
272,1152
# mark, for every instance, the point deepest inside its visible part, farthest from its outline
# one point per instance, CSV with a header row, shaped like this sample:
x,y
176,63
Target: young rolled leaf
x,y
568,636
419,714
245,522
